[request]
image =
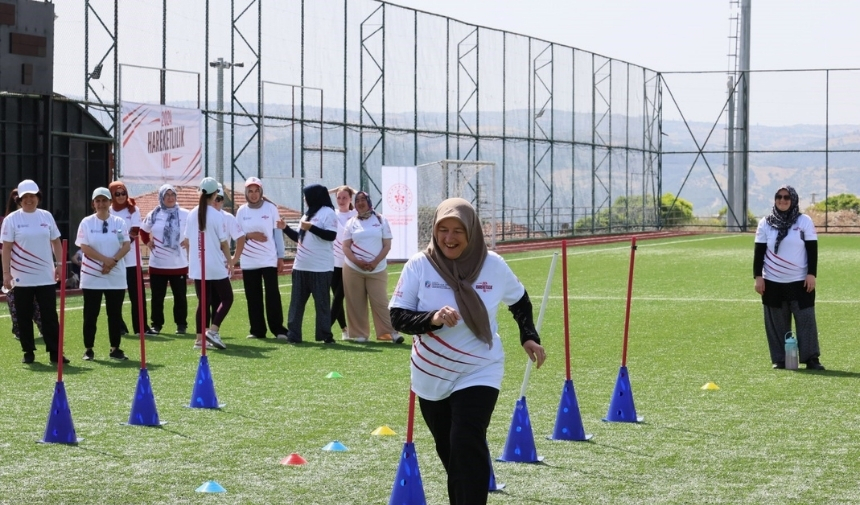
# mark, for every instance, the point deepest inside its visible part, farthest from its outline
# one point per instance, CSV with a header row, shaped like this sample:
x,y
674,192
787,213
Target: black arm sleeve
x,y
523,315
812,257
327,235
758,258
412,322
292,234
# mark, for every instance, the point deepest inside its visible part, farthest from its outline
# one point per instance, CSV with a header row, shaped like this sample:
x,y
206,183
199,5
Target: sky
x,y
676,35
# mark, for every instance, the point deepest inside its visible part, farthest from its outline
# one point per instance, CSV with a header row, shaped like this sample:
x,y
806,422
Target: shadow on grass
x,y
151,338
245,351
130,363
832,373
68,368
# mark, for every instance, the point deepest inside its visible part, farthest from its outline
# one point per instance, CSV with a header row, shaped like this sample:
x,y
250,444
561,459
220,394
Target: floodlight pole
x,y
220,64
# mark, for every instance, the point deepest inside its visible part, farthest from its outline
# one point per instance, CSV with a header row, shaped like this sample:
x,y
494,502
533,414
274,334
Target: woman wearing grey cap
x,y
31,237
103,237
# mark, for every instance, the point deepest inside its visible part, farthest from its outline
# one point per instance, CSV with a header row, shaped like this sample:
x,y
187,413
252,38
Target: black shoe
x,y
118,355
328,341
398,339
294,341
152,331
29,357
89,355
54,358
814,364
779,365
181,330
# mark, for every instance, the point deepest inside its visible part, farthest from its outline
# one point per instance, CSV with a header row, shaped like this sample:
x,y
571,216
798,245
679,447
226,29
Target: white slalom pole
x,y
540,320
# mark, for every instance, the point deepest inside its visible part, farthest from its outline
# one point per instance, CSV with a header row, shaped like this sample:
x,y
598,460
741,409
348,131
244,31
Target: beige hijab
x,y
461,274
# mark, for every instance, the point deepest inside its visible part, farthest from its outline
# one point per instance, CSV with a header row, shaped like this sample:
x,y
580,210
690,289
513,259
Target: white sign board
x,y
400,207
161,144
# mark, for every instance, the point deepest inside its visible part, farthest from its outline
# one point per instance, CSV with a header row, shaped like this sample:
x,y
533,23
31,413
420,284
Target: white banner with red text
x,y
400,208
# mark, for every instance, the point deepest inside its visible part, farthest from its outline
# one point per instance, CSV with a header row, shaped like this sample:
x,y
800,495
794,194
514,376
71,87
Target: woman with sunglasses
x,y
162,231
11,206
123,206
31,238
785,264
103,237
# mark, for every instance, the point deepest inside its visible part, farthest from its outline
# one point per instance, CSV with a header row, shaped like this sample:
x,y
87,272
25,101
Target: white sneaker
x,y
360,340
208,345
252,337
345,334
215,338
282,337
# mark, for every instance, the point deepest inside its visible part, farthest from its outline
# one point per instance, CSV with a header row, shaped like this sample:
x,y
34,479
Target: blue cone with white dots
x,y
520,445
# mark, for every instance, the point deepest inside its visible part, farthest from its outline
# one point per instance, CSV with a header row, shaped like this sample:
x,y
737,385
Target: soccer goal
x,y
474,181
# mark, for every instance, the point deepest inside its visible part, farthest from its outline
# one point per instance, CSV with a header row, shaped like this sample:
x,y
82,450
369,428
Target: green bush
x,y
844,201
637,211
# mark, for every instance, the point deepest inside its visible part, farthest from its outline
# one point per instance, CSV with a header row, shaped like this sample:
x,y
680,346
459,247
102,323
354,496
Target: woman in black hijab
x,y
785,265
314,264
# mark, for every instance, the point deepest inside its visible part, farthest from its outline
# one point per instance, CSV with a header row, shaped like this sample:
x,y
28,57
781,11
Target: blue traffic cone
x,y
568,421
408,489
143,411
60,428
210,486
621,408
520,445
203,396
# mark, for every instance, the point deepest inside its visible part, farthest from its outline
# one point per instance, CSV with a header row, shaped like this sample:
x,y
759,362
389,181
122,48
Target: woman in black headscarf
x,y
313,266
785,264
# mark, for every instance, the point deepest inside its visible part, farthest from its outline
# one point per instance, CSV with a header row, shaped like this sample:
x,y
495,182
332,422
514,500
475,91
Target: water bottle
x,y
791,353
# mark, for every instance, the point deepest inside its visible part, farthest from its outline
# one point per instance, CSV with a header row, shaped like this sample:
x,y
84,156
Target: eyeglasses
x,y
120,193
782,197
104,226
219,198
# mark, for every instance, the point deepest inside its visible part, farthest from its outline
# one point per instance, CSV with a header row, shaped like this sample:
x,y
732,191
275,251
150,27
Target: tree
x,y
844,201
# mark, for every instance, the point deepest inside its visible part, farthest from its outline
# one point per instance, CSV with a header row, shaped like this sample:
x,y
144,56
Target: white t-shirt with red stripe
x,y
367,236
32,260
258,254
314,254
132,220
342,218
90,232
790,264
451,359
215,233
160,255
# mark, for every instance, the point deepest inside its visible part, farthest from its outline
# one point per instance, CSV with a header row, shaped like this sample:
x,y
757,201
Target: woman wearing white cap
x,y
219,262
103,237
30,240
162,230
261,249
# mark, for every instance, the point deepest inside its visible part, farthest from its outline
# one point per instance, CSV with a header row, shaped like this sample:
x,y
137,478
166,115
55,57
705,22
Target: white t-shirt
x,y
265,219
90,232
367,235
790,265
161,255
132,220
32,256
233,228
313,253
342,218
450,359
215,233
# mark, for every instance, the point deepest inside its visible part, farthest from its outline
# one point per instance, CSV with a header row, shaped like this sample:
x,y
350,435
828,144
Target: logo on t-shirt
x,y
484,286
435,285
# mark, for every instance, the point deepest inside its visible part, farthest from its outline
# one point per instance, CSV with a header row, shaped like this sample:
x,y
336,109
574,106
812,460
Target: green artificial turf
x,y
766,436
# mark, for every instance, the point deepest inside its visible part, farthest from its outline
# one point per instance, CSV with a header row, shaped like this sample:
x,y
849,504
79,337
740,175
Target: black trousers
x,y
46,297
337,312
219,299
179,287
305,285
264,309
93,306
131,279
459,428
